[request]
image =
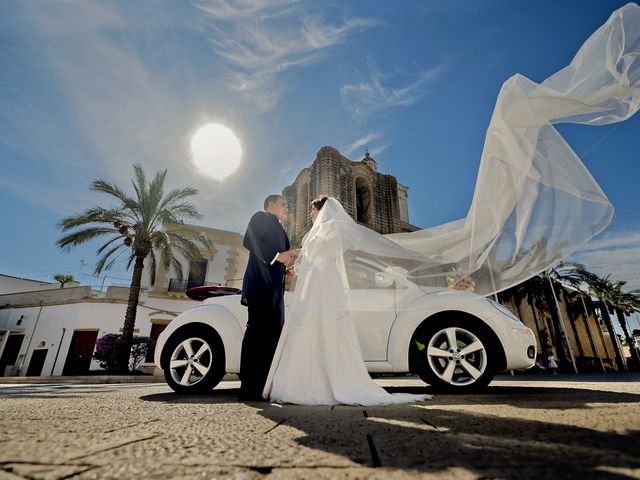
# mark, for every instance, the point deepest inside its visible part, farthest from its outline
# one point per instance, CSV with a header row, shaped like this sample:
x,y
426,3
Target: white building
x,y
9,284
46,330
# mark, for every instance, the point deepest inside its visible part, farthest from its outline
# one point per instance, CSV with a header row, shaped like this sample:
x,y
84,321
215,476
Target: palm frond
x,y
177,266
185,246
193,236
81,236
103,186
101,263
106,245
132,257
175,195
92,215
140,182
156,189
181,211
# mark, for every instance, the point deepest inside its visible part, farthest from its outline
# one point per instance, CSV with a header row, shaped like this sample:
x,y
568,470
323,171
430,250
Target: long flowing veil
x,y
535,202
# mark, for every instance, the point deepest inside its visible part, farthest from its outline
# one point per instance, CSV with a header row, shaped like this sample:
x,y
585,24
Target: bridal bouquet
x,y
459,281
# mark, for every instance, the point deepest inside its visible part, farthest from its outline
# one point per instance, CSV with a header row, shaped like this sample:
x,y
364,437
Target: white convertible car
x,y
454,341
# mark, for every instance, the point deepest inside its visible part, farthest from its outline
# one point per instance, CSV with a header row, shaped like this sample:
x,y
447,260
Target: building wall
x,y
51,324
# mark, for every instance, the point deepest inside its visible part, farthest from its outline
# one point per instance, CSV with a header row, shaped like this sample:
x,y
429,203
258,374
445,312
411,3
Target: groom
x,y
263,293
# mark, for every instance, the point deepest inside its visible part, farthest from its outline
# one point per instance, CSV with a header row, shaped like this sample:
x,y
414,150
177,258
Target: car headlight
x,y
504,310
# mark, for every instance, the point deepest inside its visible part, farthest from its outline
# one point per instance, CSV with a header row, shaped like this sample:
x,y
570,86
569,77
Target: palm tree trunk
x,y
632,345
594,345
130,316
622,363
565,338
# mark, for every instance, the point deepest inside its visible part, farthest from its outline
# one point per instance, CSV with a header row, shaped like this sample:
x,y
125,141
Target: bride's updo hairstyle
x,y
319,202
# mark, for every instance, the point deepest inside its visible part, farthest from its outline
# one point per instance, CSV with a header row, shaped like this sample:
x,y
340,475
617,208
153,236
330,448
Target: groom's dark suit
x,y
263,294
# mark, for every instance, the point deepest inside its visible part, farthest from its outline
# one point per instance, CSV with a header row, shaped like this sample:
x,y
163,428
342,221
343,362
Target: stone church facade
x,y
370,197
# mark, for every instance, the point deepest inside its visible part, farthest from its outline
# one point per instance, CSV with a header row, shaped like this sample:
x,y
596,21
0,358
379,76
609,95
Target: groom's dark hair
x,y
271,199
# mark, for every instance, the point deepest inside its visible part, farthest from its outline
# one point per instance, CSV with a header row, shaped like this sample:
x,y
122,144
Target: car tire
x,y
455,353
193,360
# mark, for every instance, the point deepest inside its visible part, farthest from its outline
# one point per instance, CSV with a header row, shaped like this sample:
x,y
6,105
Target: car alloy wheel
x,y
190,361
193,359
456,356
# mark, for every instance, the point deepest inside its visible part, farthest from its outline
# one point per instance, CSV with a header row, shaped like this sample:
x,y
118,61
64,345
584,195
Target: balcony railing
x,y
181,286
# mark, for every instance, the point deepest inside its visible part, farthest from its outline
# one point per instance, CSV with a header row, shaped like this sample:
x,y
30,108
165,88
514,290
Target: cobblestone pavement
x,y
522,427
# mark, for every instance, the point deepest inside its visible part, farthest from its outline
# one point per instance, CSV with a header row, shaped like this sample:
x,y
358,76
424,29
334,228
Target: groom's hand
x,y
284,257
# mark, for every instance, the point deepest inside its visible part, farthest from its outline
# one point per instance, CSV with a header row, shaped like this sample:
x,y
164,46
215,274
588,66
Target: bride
x,y
318,360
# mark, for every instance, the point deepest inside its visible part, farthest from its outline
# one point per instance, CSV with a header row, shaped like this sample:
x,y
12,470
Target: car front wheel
x,y
194,360
455,355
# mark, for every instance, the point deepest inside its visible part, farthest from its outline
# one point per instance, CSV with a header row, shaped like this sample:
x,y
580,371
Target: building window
x,y
363,201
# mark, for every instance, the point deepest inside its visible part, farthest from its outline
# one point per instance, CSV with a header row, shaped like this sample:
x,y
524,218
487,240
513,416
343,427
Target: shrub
x,y
107,348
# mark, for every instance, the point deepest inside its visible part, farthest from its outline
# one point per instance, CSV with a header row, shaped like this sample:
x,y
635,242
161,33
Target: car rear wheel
x,y
455,355
194,360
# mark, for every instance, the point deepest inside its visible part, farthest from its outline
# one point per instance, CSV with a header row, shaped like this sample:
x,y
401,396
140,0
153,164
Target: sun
x,y
216,151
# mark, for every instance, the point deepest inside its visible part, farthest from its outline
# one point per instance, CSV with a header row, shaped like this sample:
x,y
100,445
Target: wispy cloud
x,y
379,149
371,141
383,91
617,254
259,41
359,142
230,9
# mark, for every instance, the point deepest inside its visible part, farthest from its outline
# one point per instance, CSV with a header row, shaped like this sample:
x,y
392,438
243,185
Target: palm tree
x,y
605,290
134,225
63,279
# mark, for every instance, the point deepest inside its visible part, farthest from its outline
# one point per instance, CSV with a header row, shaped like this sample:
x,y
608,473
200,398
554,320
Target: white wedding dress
x,y
318,360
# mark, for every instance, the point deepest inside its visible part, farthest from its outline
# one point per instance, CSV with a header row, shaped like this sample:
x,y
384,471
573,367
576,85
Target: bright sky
x,y
89,88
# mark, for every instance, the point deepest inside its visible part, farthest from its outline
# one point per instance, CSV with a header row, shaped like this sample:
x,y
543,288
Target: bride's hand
x,y
291,271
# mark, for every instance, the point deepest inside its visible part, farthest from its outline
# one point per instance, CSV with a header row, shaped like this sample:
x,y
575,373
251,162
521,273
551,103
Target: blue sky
x,y
89,88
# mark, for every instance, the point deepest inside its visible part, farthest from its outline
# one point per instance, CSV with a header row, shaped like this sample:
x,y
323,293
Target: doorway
x,y
11,350
80,352
37,362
